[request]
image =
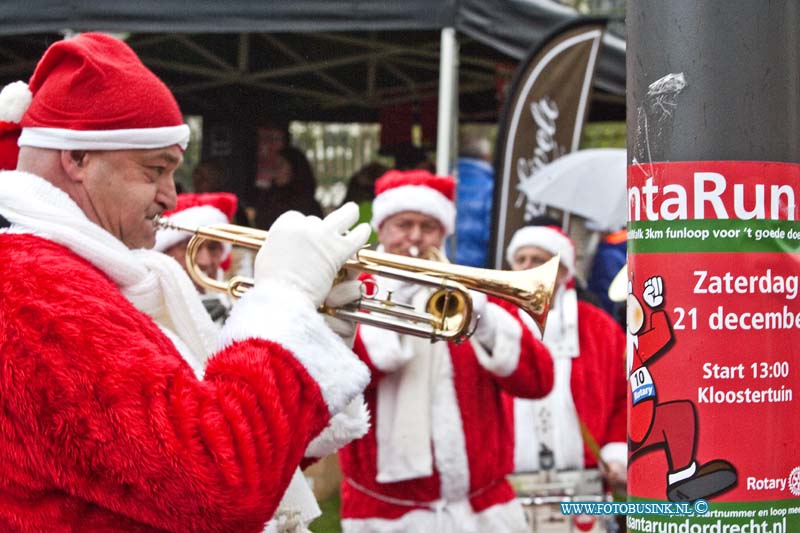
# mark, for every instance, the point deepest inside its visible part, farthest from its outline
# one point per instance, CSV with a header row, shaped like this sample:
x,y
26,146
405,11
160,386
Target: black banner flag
x,y
542,120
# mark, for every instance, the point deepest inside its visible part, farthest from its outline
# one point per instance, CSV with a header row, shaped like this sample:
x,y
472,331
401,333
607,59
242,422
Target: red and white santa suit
x,y
439,447
123,407
588,350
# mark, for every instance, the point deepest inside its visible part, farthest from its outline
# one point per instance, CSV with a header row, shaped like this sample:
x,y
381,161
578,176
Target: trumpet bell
x,y
531,290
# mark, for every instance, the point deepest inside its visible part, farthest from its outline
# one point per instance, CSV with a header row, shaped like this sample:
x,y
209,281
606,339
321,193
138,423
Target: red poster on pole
x,y
713,342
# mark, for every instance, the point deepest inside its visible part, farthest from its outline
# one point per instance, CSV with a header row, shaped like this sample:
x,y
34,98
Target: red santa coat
x,y
104,427
481,438
597,382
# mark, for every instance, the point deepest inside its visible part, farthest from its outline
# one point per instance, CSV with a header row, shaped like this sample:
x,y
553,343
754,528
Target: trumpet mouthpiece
x,y
162,222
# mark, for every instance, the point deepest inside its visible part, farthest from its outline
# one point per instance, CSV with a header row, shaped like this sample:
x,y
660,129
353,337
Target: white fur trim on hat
x,y
15,98
545,238
416,198
125,139
200,215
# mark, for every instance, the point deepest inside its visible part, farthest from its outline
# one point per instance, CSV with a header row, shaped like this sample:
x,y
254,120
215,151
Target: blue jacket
x,y
473,212
608,260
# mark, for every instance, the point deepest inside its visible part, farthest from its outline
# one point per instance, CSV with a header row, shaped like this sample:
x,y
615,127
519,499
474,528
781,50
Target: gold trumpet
x,y
448,313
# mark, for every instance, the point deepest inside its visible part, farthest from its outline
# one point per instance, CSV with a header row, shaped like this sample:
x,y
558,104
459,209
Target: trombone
x,y
448,313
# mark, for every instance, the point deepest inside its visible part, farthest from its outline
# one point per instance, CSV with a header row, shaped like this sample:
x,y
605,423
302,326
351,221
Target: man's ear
x,y
73,162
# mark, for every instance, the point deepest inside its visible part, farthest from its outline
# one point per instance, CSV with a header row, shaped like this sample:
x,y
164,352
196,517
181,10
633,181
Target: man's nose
x,y
167,194
415,234
202,258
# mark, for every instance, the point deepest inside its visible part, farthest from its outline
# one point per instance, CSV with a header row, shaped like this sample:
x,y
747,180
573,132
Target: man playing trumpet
x,y
111,419
440,445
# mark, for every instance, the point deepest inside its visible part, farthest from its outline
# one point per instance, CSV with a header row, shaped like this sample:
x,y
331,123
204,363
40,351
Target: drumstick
x,y
594,448
591,443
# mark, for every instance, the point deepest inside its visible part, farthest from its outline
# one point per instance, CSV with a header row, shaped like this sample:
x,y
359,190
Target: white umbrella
x,y
590,183
618,289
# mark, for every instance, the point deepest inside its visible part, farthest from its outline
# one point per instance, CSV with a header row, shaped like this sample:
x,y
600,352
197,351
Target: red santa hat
x,y
93,93
549,238
203,209
561,335
415,190
9,151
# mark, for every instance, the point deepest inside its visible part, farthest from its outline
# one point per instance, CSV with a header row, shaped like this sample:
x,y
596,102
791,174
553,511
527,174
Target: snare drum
x,y
541,493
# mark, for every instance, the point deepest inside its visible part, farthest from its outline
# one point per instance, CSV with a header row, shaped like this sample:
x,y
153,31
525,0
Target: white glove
x,y
343,293
484,331
306,253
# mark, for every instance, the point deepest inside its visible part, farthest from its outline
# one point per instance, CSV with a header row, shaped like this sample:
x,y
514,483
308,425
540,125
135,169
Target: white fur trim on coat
x,y
504,345
125,139
416,198
383,347
351,424
615,452
277,313
447,434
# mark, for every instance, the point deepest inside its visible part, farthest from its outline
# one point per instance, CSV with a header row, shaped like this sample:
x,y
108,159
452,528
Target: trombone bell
x,y
448,313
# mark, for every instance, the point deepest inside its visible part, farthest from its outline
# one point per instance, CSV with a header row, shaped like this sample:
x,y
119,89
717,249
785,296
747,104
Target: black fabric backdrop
x,y
511,26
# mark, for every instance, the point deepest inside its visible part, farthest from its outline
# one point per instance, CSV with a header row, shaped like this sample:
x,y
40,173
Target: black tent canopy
x,y
311,59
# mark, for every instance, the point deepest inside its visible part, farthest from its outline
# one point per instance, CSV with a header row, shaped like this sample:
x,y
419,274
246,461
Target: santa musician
x,y
440,444
123,407
581,423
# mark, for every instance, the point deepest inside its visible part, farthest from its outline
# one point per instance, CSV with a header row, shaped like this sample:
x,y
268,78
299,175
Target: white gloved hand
x,y
484,331
343,293
306,253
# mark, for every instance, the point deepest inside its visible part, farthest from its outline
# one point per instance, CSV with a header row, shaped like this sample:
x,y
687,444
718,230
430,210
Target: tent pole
x,y
448,70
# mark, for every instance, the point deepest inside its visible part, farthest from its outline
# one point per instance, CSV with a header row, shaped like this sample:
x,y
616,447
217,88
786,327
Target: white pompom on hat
x,y
415,190
549,238
93,93
197,209
15,98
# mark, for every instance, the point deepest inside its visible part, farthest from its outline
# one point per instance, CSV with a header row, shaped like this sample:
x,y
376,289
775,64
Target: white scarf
x,y
561,330
404,421
153,282
403,426
562,435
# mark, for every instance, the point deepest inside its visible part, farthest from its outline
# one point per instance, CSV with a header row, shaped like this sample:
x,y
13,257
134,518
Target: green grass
x,y
329,521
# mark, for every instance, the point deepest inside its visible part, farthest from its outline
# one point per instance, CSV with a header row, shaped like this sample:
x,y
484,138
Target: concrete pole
x,y
740,62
